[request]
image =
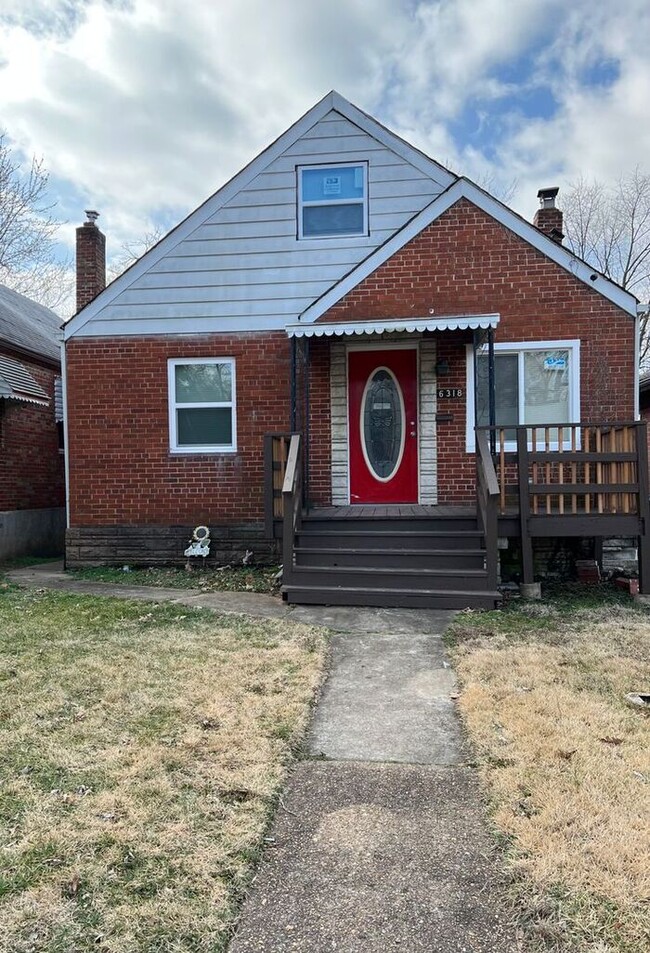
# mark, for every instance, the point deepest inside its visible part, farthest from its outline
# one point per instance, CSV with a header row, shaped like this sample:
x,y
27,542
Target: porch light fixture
x,y
442,368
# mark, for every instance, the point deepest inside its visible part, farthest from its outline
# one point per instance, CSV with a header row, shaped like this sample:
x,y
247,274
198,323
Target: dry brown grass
x,y
566,761
141,749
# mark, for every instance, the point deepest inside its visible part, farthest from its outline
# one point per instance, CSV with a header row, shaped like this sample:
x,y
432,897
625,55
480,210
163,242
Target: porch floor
x,y
397,510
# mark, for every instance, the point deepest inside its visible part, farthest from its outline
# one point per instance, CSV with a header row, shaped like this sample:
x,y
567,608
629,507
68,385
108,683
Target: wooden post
x,y
535,469
492,399
524,506
574,470
502,469
585,446
599,467
560,441
547,471
644,506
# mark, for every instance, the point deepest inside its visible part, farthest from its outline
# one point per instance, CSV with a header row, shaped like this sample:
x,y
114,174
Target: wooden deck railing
x,y
571,469
487,503
586,479
292,505
276,452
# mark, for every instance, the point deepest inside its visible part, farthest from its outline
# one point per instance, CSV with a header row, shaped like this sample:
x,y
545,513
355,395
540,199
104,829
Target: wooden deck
x,y
585,480
395,511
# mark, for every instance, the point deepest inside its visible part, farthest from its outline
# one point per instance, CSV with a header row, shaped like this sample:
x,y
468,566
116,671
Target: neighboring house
x,y
346,288
32,482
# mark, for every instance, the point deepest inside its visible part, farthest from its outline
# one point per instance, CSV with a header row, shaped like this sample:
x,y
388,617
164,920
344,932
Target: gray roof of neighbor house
x,y
28,325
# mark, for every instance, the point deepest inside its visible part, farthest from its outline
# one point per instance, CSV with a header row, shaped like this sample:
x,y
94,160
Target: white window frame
x,y
174,446
519,348
363,165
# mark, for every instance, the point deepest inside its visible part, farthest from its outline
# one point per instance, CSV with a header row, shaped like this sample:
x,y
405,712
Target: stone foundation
x,y
620,555
165,545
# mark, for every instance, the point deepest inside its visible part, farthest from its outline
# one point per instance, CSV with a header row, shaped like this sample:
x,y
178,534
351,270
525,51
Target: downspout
x,y
66,451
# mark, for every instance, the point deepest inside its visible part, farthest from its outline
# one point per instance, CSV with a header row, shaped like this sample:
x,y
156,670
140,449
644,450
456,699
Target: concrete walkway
x,y
379,843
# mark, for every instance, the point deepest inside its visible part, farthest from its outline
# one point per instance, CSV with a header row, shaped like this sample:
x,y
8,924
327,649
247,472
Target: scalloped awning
x,y
16,383
455,322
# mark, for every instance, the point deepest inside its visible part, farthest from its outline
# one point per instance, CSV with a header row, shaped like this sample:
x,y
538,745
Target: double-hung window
x,y
333,200
202,405
535,383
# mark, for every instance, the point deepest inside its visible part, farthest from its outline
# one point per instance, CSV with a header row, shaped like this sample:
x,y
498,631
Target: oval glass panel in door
x,y
382,424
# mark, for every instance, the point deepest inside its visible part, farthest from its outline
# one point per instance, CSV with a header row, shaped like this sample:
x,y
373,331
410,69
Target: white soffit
x,y
453,322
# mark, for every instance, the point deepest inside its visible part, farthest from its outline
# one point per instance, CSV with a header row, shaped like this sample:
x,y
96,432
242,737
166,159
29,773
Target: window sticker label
x,y
332,185
555,363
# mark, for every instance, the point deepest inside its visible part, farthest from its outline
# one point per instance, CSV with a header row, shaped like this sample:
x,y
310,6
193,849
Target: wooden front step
x,y
389,524
371,578
382,558
423,561
390,598
311,537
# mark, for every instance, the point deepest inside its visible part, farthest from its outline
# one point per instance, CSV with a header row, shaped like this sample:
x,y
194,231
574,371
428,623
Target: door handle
x,y
414,433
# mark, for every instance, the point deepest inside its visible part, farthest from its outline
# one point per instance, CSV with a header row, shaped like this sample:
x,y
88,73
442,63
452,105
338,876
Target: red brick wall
x,y
32,473
121,468
465,263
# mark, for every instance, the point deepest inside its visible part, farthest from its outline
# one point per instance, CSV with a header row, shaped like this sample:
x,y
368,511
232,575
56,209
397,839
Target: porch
x,y
585,480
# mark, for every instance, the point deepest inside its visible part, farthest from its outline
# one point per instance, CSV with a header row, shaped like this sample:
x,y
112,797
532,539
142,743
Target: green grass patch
x,y
142,748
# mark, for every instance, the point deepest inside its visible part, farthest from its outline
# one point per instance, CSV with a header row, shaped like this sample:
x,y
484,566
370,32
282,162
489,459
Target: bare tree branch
x,y
28,258
609,226
131,251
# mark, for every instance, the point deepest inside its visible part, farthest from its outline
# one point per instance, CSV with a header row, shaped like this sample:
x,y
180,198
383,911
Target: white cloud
x,y
146,106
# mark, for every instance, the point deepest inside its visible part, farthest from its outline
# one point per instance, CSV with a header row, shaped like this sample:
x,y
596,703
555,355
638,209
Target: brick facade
x,y
32,473
121,469
122,473
467,263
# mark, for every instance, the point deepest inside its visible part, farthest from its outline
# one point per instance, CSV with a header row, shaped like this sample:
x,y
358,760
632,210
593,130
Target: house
x,y
352,352
32,482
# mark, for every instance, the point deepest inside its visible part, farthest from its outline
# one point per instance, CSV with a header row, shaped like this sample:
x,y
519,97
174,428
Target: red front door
x,y
383,426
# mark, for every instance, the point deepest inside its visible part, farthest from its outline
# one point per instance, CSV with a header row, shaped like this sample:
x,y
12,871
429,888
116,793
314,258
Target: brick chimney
x,y
548,217
91,260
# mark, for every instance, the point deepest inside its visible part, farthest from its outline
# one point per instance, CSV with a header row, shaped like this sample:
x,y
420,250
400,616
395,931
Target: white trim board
x,y
463,188
332,101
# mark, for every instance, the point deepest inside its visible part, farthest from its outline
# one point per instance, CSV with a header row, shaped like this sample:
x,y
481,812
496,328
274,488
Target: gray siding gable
x,y
236,263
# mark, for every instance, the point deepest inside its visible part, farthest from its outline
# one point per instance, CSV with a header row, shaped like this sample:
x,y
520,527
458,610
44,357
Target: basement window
x,y
332,200
202,405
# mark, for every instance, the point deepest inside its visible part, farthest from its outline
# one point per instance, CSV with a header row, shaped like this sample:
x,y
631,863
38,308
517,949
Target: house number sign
x,y
447,392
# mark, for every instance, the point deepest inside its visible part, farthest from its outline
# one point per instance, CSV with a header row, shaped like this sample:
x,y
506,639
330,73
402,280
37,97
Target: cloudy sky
x,y
142,108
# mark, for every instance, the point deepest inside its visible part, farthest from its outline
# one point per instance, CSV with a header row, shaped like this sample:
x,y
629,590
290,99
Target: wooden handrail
x,y
276,451
292,505
487,464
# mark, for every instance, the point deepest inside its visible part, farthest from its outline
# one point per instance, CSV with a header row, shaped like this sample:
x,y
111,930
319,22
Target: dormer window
x,y
333,200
